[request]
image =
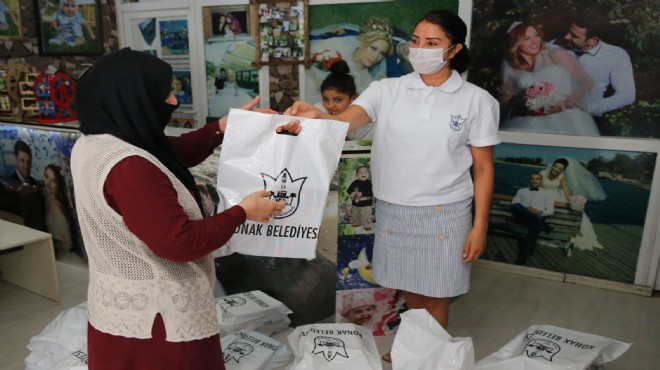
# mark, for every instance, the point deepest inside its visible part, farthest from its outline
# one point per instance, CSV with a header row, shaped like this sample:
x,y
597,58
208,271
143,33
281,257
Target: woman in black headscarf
x,y
150,297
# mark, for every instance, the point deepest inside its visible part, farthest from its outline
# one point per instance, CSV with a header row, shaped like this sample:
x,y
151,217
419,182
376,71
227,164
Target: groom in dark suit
x,y
530,207
23,156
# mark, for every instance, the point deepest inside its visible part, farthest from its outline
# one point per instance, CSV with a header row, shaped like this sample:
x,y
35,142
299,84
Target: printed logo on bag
x,y
235,351
228,302
457,122
288,190
329,347
542,348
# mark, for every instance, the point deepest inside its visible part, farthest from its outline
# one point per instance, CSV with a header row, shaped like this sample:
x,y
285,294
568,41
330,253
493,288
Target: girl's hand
x,y
475,244
291,128
303,109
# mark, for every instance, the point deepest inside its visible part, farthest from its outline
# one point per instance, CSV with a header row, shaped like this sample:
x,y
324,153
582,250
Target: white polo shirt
x,y
421,150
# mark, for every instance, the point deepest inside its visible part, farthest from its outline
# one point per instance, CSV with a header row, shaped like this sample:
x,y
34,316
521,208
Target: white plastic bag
x,y
249,350
546,347
333,347
242,307
297,169
75,361
422,344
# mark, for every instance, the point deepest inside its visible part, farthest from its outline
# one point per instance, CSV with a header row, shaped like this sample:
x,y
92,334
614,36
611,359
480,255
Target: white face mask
x,y
428,61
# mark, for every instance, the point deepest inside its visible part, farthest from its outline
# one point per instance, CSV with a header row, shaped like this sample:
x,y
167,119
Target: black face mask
x,y
164,112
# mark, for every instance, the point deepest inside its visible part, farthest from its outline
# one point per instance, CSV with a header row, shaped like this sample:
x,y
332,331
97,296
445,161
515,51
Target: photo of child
x,y
6,11
181,89
358,308
377,309
361,194
68,24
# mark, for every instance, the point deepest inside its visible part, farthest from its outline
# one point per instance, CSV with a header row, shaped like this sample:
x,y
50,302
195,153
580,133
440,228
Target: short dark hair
x,y
456,30
593,20
21,146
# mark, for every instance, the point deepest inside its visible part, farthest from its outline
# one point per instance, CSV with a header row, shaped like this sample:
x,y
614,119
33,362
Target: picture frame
x,y
29,104
26,88
62,40
282,37
228,23
11,29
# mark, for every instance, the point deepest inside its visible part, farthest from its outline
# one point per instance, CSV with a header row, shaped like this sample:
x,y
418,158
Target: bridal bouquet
x,y
577,202
540,96
323,60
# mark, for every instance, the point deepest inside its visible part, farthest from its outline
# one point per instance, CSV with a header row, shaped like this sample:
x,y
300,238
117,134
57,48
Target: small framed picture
x,y
26,88
47,107
29,104
42,90
69,27
229,22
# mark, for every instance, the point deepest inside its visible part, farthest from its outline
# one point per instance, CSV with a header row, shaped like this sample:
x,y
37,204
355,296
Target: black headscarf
x,y
123,95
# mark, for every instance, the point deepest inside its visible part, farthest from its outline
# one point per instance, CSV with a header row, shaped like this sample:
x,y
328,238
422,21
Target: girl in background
x,y
338,92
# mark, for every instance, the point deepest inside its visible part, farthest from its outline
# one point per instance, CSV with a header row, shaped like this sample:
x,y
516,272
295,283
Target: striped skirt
x,y
419,249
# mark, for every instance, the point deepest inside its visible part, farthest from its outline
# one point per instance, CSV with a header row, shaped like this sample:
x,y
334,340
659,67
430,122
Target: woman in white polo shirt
x,y
432,128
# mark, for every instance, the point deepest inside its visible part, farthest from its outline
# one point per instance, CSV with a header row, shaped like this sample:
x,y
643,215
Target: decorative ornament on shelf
x,y
10,94
55,92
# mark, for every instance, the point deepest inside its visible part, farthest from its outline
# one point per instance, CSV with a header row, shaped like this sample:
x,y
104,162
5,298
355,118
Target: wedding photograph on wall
x,y
69,27
570,67
372,37
570,210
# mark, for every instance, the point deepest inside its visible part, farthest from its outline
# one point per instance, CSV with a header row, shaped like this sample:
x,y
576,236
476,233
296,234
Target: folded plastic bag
x,y
422,344
249,350
67,333
333,347
295,169
267,325
546,347
241,307
74,361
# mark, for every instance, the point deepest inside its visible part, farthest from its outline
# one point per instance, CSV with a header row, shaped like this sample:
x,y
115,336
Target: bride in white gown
x,y
541,87
573,184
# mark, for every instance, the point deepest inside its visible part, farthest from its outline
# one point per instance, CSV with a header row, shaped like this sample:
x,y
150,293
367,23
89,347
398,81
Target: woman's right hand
x,y
259,208
303,109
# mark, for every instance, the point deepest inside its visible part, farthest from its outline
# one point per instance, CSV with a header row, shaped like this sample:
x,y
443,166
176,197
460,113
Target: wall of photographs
x,y
613,235
583,88
553,110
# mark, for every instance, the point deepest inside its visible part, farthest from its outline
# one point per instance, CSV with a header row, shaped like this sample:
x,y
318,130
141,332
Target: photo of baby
x,y
69,27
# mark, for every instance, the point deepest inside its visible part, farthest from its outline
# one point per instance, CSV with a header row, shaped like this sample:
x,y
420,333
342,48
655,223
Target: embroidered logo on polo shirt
x,y
456,123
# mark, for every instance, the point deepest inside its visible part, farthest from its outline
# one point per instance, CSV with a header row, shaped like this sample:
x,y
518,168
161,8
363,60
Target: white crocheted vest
x,y
128,283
